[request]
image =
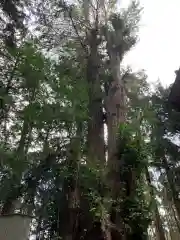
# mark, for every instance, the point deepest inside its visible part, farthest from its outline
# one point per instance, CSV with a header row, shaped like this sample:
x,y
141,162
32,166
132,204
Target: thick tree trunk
x,y
115,107
96,146
95,138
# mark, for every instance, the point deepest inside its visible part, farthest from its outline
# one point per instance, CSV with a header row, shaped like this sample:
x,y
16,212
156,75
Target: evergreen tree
x,y
62,84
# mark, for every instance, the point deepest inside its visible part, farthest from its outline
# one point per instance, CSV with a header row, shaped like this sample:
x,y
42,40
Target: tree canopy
x,y
86,147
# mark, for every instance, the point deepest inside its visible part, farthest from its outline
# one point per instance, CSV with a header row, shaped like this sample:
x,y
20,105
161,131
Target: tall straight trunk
x,y
71,187
115,108
171,212
171,227
95,138
38,228
95,135
175,194
158,225
96,146
158,222
175,216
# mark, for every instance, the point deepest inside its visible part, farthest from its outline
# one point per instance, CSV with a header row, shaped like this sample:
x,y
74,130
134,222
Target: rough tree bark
x,y
96,145
116,115
158,222
72,186
175,194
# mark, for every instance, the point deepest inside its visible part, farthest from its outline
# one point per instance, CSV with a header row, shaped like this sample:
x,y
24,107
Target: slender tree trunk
x,y
38,228
175,216
158,222
158,225
3,108
171,213
15,186
175,194
36,174
72,186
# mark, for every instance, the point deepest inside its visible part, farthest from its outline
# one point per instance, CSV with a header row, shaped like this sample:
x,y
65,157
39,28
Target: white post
x,y
14,227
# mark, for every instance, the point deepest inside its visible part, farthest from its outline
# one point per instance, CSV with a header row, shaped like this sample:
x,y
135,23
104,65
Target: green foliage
x,y
134,209
44,96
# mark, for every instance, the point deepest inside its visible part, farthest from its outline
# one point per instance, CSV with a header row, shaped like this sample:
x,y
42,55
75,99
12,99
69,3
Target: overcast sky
x,y
158,51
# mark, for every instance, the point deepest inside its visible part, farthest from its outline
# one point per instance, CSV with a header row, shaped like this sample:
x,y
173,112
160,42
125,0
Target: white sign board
x,y
14,227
